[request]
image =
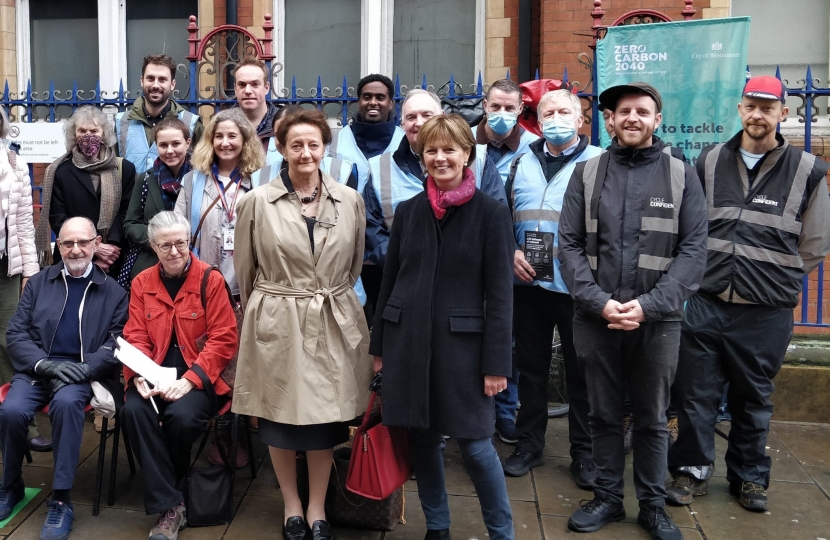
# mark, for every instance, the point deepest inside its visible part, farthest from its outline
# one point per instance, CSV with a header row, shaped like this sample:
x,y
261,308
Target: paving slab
x,y
556,528
821,476
111,524
809,443
35,477
556,438
785,466
465,514
796,511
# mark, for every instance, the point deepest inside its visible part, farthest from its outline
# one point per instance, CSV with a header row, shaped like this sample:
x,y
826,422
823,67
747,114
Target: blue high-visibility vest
x,y
503,165
132,139
537,203
344,146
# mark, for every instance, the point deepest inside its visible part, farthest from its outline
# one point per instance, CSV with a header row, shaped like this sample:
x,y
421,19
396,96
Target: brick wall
x,y
561,19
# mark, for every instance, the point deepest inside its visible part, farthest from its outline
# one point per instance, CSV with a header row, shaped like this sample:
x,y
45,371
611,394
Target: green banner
x,y
699,68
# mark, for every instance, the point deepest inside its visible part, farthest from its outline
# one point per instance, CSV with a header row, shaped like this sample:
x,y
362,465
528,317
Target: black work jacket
x,y
624,196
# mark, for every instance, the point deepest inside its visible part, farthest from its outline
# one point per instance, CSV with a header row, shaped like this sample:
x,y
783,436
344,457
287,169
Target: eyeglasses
x,y
70,244
181,246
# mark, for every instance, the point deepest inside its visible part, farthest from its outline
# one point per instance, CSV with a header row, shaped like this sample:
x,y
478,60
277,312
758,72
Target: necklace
x,y
307,200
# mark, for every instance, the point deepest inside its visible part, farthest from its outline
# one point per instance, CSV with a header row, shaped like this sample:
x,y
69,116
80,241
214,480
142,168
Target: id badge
x,y
539,253
227,238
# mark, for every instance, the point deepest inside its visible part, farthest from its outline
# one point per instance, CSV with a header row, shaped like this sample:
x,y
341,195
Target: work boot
x,y
596,514
521,461
169,524
40,443
658,523
628,430
671,425
684,488
585,473
751,496
506,429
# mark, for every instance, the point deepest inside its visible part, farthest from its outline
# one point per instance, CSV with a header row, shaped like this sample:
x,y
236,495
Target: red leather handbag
x,y
380,461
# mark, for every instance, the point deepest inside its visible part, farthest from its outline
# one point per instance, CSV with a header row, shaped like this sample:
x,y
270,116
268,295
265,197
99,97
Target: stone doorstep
x,y
801,394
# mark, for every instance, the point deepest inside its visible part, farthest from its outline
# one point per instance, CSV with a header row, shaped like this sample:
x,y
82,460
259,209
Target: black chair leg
x,y
247,423
28,456
234,446
99,471
114,461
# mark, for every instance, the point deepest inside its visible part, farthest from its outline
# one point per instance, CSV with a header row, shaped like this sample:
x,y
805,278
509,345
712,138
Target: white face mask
x,y
558,130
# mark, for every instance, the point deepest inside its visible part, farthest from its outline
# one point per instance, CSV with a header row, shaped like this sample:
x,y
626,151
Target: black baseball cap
x,y
611,96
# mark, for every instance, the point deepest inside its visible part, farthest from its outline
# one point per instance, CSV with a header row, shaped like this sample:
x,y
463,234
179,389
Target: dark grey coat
x,y
437,335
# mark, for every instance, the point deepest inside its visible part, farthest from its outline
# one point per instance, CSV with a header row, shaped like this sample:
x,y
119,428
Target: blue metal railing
x,y
53,107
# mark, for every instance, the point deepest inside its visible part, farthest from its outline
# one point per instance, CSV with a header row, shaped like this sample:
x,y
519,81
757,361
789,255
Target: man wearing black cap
x,y
769,226
632,248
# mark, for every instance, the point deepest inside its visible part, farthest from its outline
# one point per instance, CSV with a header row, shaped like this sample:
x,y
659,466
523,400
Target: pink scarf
x,y
441,200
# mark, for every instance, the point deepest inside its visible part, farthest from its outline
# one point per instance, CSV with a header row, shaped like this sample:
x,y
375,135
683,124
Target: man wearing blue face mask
x,y
505,139
535,189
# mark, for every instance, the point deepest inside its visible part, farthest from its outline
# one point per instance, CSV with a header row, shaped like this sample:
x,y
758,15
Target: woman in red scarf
x,y
444,350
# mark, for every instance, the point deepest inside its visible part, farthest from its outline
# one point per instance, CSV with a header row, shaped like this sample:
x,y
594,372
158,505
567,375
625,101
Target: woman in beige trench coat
x,y
303,365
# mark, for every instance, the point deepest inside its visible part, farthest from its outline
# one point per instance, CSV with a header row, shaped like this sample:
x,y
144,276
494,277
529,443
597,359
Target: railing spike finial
x,y
688,11
424,81
267,40
479,85
451,93
536,77
565,75
397,86
6,94
192,38
597,14
294,88
809,80
508,74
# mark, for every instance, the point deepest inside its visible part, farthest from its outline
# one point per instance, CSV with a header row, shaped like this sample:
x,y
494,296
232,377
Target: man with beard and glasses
x,y
372,132
134,128
769,226
632,245
61,342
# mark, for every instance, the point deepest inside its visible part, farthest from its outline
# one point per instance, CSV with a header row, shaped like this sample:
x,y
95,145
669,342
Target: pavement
x,y
799,498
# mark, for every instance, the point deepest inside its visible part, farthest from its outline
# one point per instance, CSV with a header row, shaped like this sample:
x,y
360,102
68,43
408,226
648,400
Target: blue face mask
x,y
558,130
501,122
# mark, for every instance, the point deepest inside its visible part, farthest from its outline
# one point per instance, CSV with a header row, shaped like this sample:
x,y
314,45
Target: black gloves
x,y
54,386
65,371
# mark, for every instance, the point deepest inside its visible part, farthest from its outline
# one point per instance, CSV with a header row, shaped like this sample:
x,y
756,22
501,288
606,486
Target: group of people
x,y
440,255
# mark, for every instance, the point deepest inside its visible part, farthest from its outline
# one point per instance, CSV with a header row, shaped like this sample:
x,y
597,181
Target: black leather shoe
x,y
521,461
443,534
596,514
295,529
321,530
10,497
585,473
40,444
658,524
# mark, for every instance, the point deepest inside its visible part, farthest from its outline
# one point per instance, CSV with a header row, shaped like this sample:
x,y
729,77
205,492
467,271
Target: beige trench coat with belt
x,y
303,355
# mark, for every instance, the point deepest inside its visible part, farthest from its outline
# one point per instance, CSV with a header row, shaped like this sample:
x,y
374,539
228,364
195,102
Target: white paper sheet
x,y
158,376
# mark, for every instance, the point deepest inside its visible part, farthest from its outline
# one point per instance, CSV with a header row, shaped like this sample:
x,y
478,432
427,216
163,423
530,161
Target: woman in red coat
x,y
166,319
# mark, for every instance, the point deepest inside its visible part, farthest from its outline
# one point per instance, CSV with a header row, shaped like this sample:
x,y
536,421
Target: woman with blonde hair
x,y
223,161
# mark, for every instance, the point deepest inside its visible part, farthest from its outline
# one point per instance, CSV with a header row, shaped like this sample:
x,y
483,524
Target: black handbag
x,y
471,109
209,490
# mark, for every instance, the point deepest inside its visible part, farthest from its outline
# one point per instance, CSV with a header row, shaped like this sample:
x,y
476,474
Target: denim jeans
x,y
485,470
508,401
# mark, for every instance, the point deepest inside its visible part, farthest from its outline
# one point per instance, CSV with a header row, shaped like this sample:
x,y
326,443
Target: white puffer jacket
x,y
19,215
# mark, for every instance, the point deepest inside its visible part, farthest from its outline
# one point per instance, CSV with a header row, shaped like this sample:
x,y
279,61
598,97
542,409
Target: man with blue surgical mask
x,y
535,188
505,139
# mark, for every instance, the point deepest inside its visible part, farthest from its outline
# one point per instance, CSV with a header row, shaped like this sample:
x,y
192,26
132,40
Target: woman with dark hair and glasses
x,y
303,365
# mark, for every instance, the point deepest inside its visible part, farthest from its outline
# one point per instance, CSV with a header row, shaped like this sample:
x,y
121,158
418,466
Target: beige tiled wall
x,y
497,28
717,9
8,57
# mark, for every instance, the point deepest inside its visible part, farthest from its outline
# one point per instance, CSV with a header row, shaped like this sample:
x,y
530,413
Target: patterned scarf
x,y
169,183
103,171
441,200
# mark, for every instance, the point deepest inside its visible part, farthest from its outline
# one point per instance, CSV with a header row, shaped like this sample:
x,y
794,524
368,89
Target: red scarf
x,y
441,200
